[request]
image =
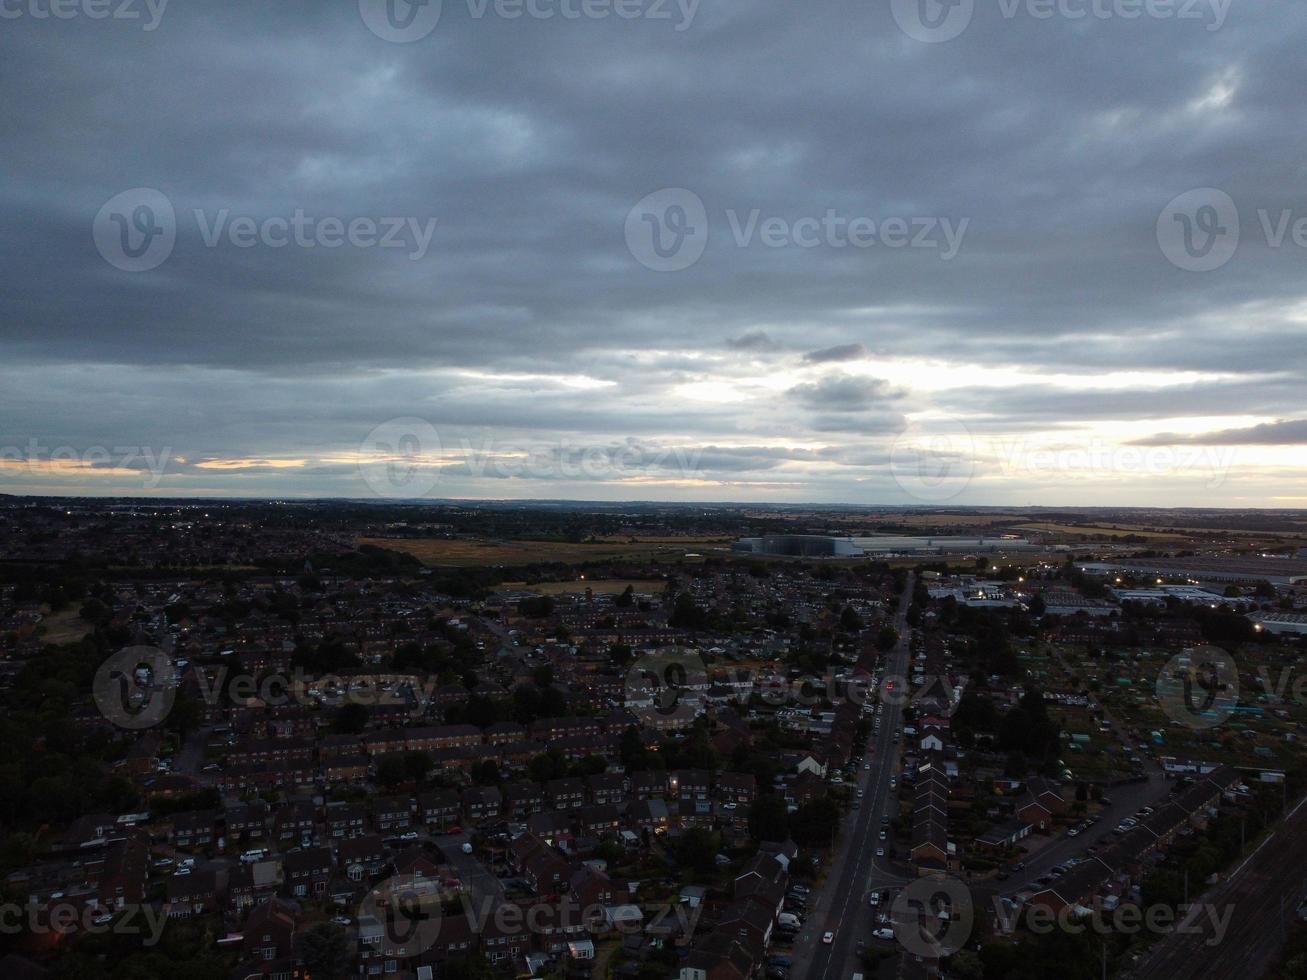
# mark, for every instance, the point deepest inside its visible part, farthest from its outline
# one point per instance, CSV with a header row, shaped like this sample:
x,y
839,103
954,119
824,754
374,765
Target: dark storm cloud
x,y
526,143
841,352
843,393
754,340
1292,432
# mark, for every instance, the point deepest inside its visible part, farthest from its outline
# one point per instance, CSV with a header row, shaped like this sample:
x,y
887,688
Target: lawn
x,y
470,552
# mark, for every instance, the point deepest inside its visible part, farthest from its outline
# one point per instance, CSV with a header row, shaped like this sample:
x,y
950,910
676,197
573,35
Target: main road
x,y
840,906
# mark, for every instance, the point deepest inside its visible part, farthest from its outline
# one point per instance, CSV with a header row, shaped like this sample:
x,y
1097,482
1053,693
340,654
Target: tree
x,y
769,818
887,639
467,968
392,770
417,765
698,849
536,607
351,719
816,821
326,950
850,621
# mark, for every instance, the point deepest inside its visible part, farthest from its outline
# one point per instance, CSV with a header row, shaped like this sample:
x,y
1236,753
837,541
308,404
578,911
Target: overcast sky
x,y
891,252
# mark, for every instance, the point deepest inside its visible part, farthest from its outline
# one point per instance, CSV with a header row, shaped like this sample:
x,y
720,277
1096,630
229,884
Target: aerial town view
x,y
653,490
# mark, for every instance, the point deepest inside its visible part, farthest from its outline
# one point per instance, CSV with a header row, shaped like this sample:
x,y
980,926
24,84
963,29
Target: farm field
x,y
63,627
607,586
472,552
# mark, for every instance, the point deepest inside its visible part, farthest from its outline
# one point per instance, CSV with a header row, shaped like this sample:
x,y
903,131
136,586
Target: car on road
x,y
1073,832
883,835
880,852
828,938
409,835
893,782
866,766
857,805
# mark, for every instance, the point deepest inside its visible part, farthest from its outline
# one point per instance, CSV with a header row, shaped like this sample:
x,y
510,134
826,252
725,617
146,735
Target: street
x,y
840,907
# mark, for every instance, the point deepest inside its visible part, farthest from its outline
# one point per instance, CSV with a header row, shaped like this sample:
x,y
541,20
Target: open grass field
x,y
472,552
63,627
1094,530
950,520
606,586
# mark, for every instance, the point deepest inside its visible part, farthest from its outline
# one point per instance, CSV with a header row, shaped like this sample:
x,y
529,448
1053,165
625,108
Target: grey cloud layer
x,y
529,141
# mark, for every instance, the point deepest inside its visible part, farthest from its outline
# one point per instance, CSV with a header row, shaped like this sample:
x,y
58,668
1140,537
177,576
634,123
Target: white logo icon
x,y
400,21
136,230
400,459
668,230
932,21
1199,230
934,462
